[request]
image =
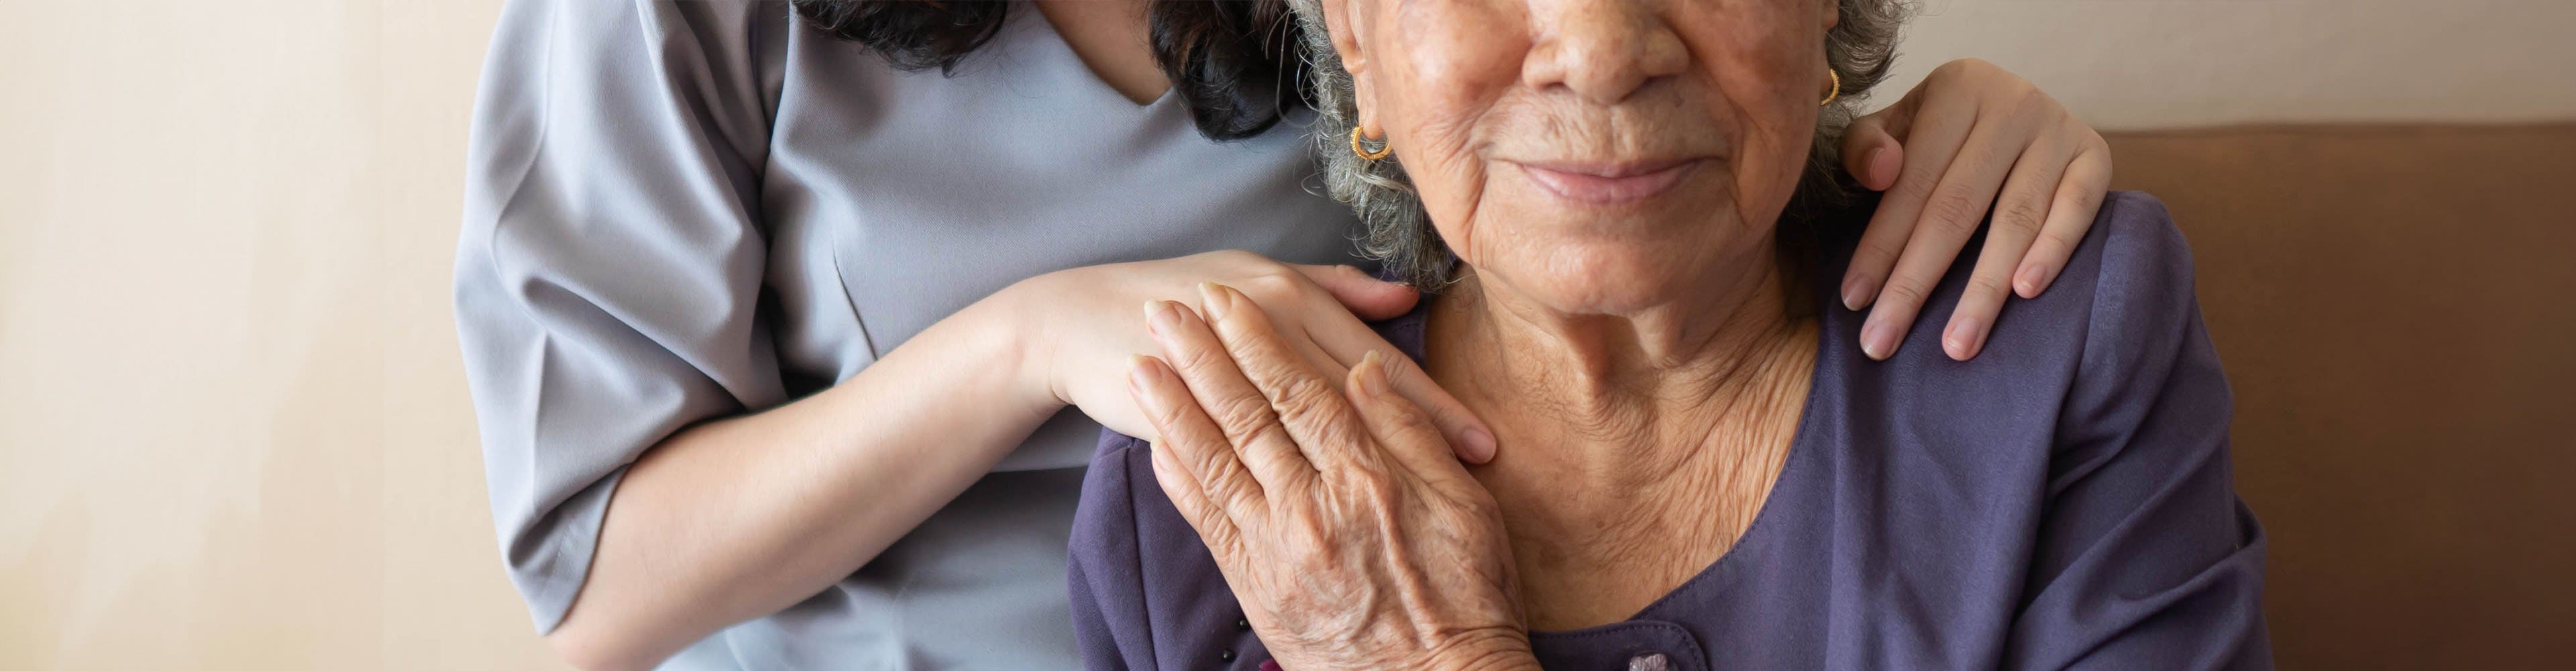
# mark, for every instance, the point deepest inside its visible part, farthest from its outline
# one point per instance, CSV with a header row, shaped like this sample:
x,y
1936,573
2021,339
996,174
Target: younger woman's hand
x,y
1971,138
1081,328
1331,504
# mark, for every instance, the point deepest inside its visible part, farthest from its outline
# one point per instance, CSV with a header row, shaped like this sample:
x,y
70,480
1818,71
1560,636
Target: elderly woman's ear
x,y
1347,35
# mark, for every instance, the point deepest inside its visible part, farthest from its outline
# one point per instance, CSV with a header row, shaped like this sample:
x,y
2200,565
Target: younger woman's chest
x,y
892,199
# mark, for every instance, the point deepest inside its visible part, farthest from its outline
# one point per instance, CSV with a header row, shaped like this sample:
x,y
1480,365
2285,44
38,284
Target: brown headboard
x,y
2396,308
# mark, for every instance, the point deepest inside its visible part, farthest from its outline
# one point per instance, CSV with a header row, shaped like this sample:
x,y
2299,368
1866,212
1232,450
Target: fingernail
x,y
1961,339
1480,445
1137,372
1372,375
2026,282
1875,340
1158,316
1212,301
1854,291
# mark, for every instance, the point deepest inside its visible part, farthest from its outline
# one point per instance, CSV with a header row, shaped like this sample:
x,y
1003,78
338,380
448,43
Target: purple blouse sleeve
x,y
2145,557
1104,571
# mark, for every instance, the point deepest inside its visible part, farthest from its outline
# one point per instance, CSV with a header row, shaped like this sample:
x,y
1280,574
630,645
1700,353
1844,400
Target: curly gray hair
x,y
1859,48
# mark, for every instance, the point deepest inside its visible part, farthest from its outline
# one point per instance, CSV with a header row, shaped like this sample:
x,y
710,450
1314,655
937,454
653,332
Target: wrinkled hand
x,y
1970,138
1083,330
1332,505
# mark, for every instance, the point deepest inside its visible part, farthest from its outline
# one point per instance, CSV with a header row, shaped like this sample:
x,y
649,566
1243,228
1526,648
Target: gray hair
x,y
1859,48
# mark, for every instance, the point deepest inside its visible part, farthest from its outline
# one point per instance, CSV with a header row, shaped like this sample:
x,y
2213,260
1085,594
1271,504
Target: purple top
x,y
2063,501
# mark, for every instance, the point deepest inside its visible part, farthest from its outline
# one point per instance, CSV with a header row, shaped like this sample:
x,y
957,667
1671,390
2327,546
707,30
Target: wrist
x,y
1016,343
1502,651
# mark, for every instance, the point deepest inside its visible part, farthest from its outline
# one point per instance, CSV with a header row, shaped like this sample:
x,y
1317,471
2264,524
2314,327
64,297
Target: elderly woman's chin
x,y
1588,261
1612,277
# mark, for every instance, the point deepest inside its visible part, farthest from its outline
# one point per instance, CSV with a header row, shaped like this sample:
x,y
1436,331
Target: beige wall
x,y
2140,64
233,427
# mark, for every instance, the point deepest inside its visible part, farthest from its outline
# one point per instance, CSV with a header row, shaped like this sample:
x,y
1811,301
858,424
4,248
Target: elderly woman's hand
x,y
1332,505
1969,132
1078,342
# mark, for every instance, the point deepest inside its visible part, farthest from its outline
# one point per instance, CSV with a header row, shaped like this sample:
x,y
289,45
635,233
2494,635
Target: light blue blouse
x,y
684,210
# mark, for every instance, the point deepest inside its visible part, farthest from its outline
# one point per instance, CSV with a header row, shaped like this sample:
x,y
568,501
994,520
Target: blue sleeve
x,y
2145,558
609,268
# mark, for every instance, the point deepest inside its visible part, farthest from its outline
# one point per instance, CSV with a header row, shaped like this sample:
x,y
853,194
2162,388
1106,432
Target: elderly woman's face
x,y
1602,156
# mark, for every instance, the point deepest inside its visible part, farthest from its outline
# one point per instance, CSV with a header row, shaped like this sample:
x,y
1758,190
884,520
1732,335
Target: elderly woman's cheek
x,y
1451,44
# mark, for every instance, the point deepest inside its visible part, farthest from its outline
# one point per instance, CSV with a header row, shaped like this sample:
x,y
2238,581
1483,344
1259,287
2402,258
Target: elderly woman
x,y
1701,469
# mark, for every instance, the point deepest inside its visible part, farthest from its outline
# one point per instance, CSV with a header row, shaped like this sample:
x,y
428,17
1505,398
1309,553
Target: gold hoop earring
x,y
1838,86
1362,149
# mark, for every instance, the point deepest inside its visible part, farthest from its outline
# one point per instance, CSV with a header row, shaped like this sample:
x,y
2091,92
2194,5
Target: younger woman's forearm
x,y
745,516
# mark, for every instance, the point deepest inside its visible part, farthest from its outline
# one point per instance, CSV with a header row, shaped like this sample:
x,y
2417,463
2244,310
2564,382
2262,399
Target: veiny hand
x,y
1332,506
1971,131
1084,330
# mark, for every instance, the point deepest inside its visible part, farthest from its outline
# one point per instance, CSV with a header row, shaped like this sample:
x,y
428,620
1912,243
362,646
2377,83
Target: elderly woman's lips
x,y
1609,183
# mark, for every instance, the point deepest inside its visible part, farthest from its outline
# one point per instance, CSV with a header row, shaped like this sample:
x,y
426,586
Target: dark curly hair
x,y
1233,65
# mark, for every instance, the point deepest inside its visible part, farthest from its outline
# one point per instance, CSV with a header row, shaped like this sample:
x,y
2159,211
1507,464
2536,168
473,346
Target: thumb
x,y
1871,154
1410,437
1370,298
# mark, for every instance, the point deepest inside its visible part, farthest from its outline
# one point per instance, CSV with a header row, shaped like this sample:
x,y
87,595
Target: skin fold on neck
x,y
1636,448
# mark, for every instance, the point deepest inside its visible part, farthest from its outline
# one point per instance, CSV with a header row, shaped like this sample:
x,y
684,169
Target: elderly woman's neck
x,y
1671,375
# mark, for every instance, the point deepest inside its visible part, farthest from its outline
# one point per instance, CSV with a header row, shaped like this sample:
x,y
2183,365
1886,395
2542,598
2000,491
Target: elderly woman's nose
x,y
1602,50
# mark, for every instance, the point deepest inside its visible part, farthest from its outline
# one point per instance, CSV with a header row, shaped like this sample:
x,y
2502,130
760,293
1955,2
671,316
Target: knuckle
x,y
1239,414
1878,253
1985,285
1233,497
1904,292
1955,212
1333,431
1912,185
1275,282
2060,239
2020,216
1195,358
2028,99
1270,433
1173,415
1221,537
1405,418
2082,199
1300,395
